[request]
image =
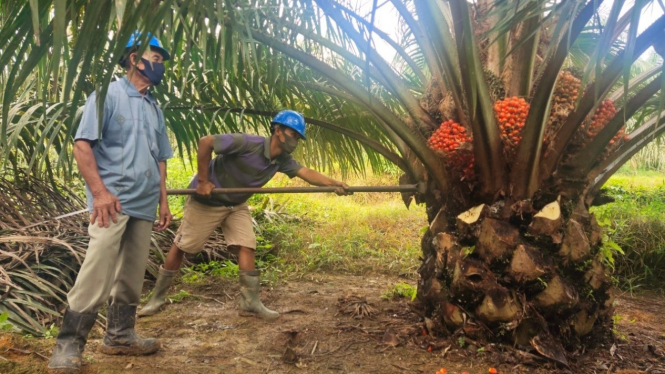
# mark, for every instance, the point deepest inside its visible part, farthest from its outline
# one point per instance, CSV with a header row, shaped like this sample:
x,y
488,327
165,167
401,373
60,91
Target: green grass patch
x,y
197,273
635,222
400,290
179,297
358,234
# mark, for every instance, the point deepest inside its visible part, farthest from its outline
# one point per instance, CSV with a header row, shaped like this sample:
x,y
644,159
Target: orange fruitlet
x,y
429,349
493,371
442,371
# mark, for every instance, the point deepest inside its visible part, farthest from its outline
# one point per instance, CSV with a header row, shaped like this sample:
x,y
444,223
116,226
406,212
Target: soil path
x,y
316,334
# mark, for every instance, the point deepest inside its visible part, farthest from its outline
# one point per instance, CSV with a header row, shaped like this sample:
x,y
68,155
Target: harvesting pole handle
x,y
261,190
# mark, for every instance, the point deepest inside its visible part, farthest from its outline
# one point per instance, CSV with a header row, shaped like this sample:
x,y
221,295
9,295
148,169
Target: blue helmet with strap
x,y
292,120
153,42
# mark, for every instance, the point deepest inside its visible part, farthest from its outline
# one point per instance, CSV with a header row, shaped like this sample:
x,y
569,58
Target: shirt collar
x,y
131,90
266,150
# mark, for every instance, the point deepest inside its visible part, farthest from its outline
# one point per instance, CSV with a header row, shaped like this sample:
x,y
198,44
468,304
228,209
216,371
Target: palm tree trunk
x,y
537,278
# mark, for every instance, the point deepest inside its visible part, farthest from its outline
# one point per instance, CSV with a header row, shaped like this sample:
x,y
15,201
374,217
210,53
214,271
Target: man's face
x,y
290,132
150,55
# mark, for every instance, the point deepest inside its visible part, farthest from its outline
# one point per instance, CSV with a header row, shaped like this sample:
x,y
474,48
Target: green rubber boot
x,y
249,302
71,341
164,280
121,338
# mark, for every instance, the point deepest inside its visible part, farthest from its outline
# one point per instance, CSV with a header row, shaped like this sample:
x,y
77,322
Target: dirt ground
x,y
316,334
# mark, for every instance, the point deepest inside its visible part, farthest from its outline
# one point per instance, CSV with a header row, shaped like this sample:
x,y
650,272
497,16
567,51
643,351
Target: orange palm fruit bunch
x,y
448,137
511,114
601,117
449,140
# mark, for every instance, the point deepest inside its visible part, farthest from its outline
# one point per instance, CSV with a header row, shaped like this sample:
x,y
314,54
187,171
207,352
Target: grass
x,y
635,222
359,234
400,290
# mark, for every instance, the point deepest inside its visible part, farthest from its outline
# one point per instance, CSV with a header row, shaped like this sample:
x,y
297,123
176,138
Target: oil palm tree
x,y
512,115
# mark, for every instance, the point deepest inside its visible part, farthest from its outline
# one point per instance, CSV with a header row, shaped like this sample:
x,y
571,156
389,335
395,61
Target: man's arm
x,y
164,211
104,204
203,156
314,177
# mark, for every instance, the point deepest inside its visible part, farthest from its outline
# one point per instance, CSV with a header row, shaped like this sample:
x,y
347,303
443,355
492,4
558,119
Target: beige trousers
x,y
199,221
114,265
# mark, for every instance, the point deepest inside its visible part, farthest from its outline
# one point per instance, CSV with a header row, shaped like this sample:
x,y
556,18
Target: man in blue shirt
x,y
124,167
242,160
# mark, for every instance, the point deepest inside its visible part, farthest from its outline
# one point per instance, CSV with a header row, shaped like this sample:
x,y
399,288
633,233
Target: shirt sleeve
x,y
89,126
289,166
165,150
228,144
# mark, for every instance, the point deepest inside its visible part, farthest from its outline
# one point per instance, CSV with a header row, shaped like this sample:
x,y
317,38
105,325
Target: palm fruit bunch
x,y
495,84
452,141
563,101
511,114
601,117
618,139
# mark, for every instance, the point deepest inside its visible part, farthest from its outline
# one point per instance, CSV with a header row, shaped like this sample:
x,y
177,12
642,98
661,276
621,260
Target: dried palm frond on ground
x,y
38,264
355,305
40,256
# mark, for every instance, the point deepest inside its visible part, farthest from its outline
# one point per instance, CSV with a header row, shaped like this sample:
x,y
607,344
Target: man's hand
x,y
204,189
105,205
164,217
343,189
314,177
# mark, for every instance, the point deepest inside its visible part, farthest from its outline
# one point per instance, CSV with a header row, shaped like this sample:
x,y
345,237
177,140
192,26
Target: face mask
x,y
289,144
154,72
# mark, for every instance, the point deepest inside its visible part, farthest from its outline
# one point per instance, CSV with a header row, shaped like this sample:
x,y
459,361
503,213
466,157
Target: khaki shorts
x,y
199,221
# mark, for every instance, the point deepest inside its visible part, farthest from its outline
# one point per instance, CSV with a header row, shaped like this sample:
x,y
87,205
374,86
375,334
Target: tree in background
x,y
511,114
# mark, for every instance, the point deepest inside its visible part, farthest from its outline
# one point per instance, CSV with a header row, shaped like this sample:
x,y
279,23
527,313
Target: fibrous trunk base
x,y
532,280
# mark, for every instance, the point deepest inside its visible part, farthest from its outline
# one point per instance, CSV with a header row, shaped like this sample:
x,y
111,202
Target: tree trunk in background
x,y
534,278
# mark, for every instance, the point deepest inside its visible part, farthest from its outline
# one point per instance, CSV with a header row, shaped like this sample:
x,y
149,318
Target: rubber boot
x,y
71,341
121,338
164,280
249,302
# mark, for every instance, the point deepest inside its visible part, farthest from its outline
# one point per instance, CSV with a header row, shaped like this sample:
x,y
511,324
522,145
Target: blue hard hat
x,y
135,41
292,120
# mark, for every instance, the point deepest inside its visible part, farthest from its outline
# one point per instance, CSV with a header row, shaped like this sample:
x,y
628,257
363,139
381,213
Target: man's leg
x,y
174,258
246,258
91,290
132,262
121,338
198,223
239,233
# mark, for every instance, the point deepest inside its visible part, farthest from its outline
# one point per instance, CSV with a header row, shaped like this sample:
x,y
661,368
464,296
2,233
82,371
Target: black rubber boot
x,y
121,338
71,341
